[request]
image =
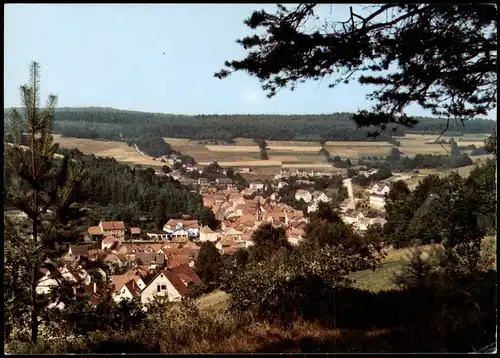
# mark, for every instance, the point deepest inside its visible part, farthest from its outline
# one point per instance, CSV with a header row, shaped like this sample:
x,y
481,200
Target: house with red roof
x,y
171,284
113,228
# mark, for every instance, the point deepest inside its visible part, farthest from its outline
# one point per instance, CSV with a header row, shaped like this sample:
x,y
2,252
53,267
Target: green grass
x,y
379,280
213,302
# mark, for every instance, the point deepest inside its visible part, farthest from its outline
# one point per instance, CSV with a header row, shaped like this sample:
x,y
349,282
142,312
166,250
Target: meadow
x,y
282,154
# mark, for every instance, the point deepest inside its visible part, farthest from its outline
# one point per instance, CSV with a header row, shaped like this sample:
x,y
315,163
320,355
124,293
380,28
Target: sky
x,y
154,58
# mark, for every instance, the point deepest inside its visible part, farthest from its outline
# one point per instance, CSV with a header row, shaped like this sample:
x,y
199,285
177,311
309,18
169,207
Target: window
x,y
163,287
158,288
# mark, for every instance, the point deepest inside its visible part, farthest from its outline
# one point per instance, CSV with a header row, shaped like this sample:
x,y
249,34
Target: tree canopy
x,y
441,57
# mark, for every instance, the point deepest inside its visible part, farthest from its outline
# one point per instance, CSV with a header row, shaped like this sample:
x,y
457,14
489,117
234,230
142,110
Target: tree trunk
x,y
34,311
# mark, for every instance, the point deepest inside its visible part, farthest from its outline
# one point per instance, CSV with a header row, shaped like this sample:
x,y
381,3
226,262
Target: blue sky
x,y
156,58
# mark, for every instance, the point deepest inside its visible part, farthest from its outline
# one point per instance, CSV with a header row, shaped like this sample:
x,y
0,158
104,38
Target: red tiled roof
x,y
109,240
112,225
135,230
133,288
186,270
94,230
187,224
176,260
229,250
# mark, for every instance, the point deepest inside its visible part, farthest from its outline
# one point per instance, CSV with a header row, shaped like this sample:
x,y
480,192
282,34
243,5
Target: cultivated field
x,y
118,150
282,154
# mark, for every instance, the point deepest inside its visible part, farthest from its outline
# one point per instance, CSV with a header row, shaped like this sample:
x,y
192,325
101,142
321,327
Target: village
x,y
150,264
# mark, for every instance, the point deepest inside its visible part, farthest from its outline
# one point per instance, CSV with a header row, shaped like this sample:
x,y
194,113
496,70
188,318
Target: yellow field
x,y
233,148
329,167
286,154
118,150
250,163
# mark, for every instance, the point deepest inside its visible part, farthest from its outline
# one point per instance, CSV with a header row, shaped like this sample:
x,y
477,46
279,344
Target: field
x,y
284,154
118,150
463,171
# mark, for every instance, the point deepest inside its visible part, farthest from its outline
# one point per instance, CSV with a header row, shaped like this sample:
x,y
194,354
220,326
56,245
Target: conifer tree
x,y
44,188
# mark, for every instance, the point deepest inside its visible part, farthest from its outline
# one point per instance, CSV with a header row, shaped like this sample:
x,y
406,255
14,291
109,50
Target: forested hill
x,y
109,123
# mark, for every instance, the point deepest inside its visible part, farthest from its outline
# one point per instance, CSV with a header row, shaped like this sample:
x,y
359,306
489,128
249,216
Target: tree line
x,y
112,124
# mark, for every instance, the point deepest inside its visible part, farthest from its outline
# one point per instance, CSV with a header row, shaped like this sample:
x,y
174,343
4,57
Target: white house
x,y
257,185
46,283
304,195
282,184
312,207
160,286
171,284
128,291
379,189
320,197
207,234
181,228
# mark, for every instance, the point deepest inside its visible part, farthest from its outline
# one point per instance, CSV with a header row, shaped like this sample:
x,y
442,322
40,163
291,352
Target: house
x,y
79,250
295,236
274,196
224,181
109,242
207,234
95,233
187,181
304,195
203,182
152,259
113,228
157,235
190,167
305,182
113,259
377,201
245,170
379,189
230,232
282,184
128,291
181,228
135,274
227,245
256,184
320,197
135,232
312,207
46,282
171,284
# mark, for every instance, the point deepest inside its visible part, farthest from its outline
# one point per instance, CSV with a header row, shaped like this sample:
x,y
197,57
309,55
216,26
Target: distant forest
x,y
134,127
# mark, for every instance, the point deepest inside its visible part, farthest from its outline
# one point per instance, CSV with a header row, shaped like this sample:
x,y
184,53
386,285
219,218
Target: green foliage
x,y
109,123
45,189
490,144
282,54
209,266
267,241
154,146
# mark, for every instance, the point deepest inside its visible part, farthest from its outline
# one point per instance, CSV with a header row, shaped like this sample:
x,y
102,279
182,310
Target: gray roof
x,y
82,250
150,258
